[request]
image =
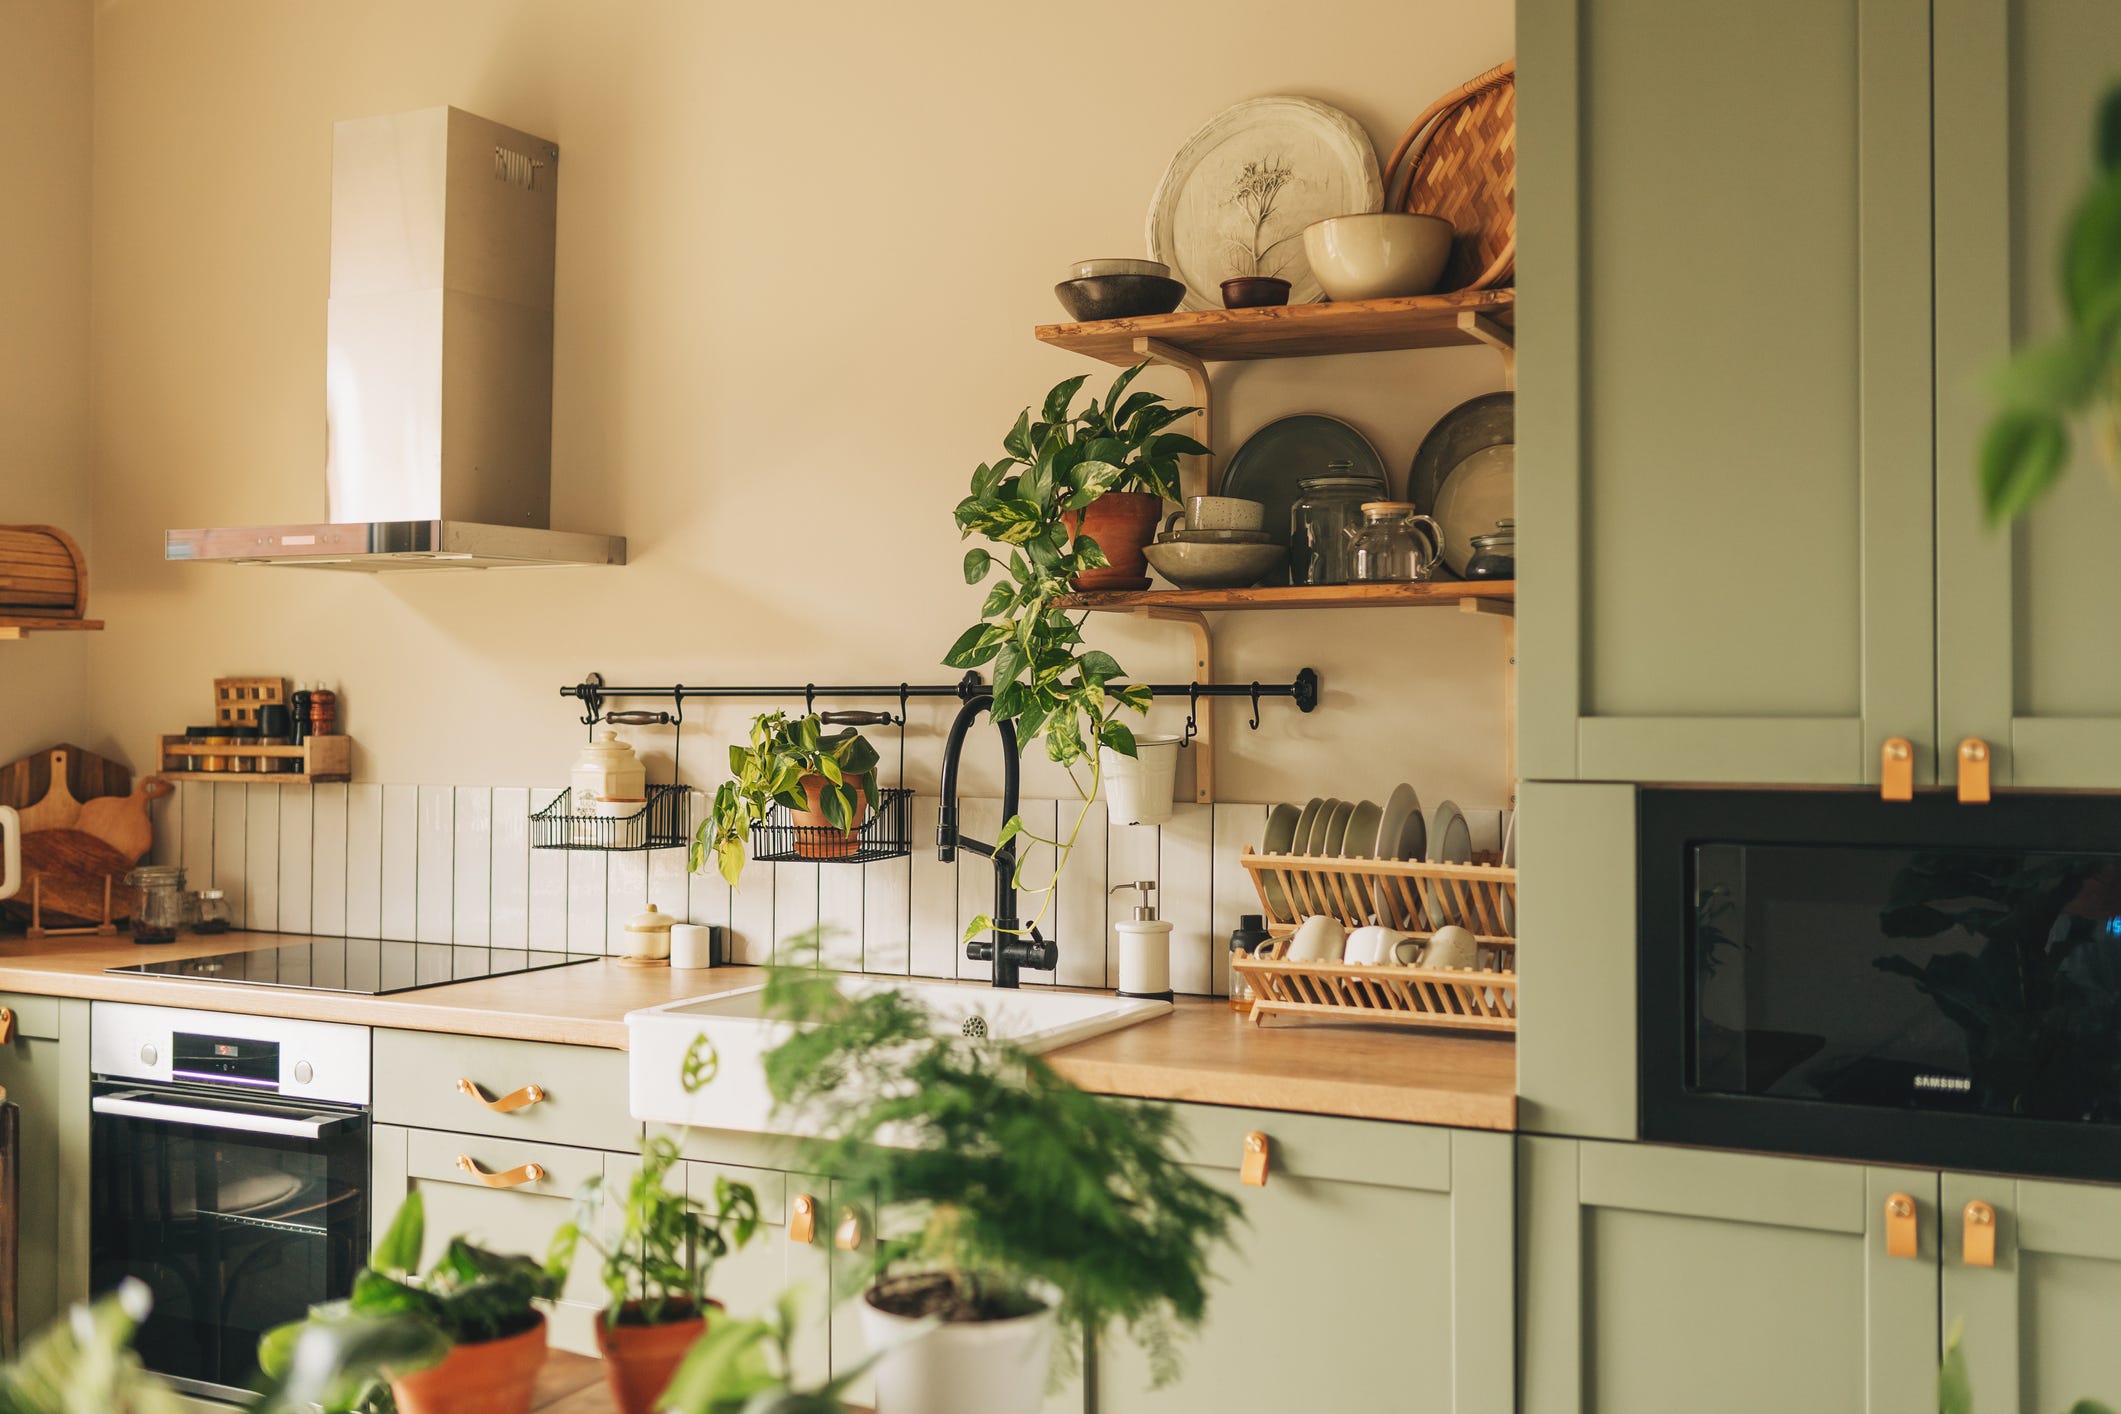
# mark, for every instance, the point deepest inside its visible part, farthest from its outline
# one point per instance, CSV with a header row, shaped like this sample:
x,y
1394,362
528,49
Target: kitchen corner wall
x,y
801,252
45,65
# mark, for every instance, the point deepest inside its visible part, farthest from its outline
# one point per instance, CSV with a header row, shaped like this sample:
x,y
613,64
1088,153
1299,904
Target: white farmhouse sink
x,y
658,1039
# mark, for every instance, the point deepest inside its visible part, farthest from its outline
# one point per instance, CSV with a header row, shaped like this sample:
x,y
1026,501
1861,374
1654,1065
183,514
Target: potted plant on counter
x,y
1013,1202
656,1267
464,1337
827,784
748,1367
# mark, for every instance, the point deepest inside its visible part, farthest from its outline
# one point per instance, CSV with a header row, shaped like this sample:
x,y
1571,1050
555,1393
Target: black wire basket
x,y
779,840
660,824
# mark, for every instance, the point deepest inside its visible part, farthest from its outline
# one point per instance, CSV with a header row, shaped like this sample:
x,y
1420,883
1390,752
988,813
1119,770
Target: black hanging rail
x,y
592,692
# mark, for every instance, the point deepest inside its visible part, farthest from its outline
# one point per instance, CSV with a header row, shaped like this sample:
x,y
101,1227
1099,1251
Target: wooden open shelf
x,y
11,628
1490,595
1301,330
319,759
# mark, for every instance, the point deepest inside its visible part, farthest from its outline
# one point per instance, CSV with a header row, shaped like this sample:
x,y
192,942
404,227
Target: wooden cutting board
x,y
121,821
48,786
73,867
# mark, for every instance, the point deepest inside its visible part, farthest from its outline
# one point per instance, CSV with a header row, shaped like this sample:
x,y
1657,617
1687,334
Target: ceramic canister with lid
x,y
648,938
607,769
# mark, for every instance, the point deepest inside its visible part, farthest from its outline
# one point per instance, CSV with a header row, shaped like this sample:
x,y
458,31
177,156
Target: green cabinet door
x,y
2024,615
2039,1325
1724,475
1373,1272
521,1217
1656,1278
44,1067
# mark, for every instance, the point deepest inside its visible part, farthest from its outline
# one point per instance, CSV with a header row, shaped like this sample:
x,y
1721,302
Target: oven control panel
x,y
315,1060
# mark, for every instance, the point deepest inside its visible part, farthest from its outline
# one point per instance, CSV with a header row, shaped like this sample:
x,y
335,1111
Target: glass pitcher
x,y
1320,521
1393,545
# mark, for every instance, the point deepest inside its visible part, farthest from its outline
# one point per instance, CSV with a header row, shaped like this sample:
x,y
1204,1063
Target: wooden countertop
x,y
1204,1052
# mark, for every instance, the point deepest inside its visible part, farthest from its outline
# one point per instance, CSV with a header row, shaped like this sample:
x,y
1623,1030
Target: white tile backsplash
x,y
454,864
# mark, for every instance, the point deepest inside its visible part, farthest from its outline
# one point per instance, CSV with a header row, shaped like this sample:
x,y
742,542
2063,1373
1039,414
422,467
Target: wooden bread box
x,y
43,581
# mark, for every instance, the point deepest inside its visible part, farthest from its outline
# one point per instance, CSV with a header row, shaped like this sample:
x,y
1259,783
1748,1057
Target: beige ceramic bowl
x,y
1378,255
1194,565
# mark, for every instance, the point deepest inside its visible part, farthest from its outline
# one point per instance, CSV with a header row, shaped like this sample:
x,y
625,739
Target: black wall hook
x,y
590,691
1192,716
1255,706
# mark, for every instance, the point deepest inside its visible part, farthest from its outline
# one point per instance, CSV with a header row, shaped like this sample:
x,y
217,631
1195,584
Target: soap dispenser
x,y
1144,947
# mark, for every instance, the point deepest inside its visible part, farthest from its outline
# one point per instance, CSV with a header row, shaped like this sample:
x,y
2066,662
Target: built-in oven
x,y
1922,982
229,1172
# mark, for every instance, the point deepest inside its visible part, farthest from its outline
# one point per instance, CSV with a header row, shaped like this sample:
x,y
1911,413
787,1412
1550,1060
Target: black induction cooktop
x,y
364,966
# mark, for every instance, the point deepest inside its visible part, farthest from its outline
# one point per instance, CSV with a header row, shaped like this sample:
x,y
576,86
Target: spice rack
x,y
1412,896
660,824
318,760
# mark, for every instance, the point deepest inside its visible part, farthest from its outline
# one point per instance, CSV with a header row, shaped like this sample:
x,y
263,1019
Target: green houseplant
x,y
827,783
1037,506
85,1362
1955,1391
1011,1200
2044,387
655,1268
464,1337
747,1367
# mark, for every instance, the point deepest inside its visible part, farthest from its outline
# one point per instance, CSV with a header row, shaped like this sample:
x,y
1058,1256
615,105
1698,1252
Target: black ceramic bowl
x,y
1118,296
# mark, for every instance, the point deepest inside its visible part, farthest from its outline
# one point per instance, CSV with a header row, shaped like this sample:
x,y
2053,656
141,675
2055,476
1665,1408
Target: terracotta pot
x,y
639,1360
818,838
1254,292
1121,522
492,1377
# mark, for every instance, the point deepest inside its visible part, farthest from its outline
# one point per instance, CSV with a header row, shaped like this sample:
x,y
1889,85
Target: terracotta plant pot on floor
x,y
492,1377
1121,522
639,1360
817,837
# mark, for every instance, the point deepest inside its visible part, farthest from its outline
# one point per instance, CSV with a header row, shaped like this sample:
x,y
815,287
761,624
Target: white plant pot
x,y
977,1367
1138,787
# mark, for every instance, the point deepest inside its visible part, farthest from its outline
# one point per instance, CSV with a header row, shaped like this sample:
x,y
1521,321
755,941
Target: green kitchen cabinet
x,y
1374,1271
1724,471
485,1189
2025,615
2039,1322
789,1250
1657,1278
44,1067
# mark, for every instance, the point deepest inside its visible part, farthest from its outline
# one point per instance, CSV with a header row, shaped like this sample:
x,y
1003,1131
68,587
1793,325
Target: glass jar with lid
x,y
214,913
1393,545
1319,522
1495,554
158,902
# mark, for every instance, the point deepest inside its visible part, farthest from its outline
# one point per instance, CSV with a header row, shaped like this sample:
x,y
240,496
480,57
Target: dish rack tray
x,y
1408,895
779,840
660,824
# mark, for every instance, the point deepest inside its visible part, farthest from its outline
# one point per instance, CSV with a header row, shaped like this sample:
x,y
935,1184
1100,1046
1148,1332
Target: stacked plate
x,y
1364,829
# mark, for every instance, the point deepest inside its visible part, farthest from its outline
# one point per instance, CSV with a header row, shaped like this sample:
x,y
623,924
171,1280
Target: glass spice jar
x,y
158,902
1495,554
1245,940
215,914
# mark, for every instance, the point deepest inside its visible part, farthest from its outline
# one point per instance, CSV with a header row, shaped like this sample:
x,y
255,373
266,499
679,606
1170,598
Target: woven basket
x,y
1459,161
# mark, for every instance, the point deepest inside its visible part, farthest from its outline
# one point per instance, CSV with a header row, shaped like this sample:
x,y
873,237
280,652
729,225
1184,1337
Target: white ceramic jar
x,y
648,938
607,769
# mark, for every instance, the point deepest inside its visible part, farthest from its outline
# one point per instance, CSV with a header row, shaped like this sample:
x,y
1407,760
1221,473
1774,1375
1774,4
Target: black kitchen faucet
x,y
1006,950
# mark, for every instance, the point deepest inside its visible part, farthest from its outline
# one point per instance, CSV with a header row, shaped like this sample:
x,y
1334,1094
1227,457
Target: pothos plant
x,y
2045,386
657,1262
770,769
1028,505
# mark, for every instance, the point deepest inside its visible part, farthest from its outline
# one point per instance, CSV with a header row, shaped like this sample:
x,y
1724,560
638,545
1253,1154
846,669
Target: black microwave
x,y
1921,982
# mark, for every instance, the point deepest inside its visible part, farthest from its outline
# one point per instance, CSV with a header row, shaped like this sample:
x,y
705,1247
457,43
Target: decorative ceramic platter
x,y
1238,195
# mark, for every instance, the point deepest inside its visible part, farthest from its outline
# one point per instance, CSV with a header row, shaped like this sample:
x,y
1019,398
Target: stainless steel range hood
x,y
438,365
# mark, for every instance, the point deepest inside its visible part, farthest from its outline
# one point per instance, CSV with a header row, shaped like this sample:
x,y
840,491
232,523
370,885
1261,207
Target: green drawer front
x,y
416,1075
1314,1146
431,1157
776,1201
36,1018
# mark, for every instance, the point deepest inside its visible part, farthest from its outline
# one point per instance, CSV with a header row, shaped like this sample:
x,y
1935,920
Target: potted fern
x,y
656,1266
827,784
1013,1203
463,1337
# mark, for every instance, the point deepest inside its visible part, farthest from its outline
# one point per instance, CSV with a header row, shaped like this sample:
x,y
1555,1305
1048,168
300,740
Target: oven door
x,y
239,1213
1923,982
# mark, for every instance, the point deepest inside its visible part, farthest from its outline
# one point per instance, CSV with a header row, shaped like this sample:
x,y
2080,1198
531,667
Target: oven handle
x,y
242,1121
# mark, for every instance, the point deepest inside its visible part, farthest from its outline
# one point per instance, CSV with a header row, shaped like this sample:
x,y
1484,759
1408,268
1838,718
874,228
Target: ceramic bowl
x,y
1378,254
1214,537
1254,292
1195,564
1091,269
1224,513
1118,296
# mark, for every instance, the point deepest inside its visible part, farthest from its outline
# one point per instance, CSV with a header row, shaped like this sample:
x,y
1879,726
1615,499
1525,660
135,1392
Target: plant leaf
x,y
2109,130
2021,458
1063,394
977,563
399,1251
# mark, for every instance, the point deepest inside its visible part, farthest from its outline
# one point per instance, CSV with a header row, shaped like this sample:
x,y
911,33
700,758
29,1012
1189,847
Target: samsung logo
x,y
1957,1084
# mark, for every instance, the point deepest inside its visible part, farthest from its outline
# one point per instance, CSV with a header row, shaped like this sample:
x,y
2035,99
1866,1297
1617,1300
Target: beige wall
x,y
44,166
801,252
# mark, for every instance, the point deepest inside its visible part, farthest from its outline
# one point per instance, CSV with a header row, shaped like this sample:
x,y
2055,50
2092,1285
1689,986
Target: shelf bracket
x,y
1203,673
1483,329
1506,610
1202,480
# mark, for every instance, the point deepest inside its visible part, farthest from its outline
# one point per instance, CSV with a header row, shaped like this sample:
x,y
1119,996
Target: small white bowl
x,y
1091,269
1378,254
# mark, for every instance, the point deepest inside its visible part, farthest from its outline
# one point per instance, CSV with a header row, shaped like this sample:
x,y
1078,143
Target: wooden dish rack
x,y
1408,895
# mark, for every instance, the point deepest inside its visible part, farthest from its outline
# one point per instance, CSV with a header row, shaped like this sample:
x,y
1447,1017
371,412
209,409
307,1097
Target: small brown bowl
x,y
1254,292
